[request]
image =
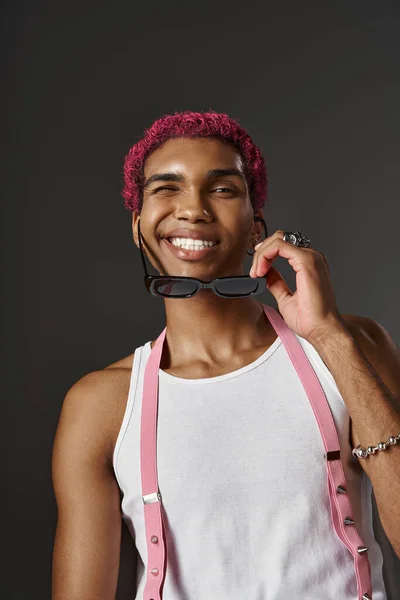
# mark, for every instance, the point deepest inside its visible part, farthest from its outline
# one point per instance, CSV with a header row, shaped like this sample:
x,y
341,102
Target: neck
x,y
207,325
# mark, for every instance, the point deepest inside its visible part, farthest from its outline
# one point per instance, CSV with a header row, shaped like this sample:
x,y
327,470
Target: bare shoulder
x,y
96,404
378,347
358,325
86,490
367,330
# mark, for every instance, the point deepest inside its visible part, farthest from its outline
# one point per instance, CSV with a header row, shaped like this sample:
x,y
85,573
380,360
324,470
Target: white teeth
x,y
191,244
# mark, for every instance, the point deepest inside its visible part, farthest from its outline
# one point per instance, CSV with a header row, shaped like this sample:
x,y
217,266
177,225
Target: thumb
x,y
277,285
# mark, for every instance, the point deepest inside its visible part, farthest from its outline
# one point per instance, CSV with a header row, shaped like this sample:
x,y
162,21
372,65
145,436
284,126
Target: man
x,y
242,507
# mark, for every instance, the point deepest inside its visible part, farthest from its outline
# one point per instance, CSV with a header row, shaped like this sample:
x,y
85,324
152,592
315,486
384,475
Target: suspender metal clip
x,y
150,498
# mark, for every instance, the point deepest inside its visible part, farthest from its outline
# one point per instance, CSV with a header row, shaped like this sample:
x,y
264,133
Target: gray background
x,y
317,86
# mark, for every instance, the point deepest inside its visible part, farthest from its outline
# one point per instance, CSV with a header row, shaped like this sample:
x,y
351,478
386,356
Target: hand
x,y
311,311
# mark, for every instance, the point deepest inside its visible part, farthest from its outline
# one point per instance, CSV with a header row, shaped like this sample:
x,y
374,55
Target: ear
x,y
135,221
258,228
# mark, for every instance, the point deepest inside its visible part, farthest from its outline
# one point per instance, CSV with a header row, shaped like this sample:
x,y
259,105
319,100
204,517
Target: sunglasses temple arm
x,y
141,250
261,220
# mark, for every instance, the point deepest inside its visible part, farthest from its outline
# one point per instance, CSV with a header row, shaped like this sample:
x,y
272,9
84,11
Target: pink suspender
x,y
341,509
148,465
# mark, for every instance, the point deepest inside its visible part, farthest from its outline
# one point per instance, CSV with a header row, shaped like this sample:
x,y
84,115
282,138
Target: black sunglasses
x,y
169,286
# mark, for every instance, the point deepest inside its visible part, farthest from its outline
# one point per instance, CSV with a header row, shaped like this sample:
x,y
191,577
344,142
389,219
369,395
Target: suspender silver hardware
x,y
150,498
332,455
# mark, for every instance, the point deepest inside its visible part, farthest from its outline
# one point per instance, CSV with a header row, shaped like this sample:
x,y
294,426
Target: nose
x,y
192,208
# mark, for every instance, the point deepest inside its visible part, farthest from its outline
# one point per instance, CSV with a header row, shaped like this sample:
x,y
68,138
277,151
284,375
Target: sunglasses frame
x,y
151,281
201,285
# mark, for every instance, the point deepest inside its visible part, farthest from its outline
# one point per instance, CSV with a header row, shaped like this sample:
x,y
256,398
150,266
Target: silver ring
x,y
297,239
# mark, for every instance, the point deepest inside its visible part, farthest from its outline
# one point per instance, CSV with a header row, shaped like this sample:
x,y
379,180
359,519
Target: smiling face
x,y
196,218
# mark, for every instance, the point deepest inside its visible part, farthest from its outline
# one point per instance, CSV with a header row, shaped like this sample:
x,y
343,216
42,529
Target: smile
x,y
190,249
190,243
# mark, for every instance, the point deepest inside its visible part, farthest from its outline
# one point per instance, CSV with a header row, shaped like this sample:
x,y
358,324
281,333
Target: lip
x,y
184,254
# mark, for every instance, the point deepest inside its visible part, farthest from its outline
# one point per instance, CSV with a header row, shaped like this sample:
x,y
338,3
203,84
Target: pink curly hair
x,y
194,124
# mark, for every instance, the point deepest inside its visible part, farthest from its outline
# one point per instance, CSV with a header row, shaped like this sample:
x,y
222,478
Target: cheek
x,y
150,217
238,227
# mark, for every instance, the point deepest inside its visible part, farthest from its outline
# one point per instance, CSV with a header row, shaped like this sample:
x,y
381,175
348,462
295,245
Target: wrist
x,y
335,333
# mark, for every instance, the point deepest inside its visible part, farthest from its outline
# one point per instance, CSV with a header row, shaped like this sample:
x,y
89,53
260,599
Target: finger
x,y
258,257
265,256
278,234
263,264
278,286
267,253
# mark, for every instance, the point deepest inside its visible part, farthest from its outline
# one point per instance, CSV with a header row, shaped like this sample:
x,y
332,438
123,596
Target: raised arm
x,y
87,542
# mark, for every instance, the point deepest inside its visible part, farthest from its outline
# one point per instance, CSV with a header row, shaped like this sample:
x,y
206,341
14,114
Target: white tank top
x,y
245,493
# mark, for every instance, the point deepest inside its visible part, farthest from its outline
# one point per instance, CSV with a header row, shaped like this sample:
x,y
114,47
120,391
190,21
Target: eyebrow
x,y
212,173
163,177
225,173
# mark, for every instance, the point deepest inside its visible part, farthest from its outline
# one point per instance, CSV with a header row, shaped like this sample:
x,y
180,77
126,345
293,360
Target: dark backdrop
x,y
317,86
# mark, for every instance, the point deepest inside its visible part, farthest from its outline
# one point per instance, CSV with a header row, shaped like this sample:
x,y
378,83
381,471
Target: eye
x,y
167,188
224,190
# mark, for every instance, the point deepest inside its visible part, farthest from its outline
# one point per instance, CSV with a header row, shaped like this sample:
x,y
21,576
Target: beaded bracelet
x,y
362,453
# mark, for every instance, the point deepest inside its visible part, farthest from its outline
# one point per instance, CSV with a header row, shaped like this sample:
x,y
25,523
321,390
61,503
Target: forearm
x,y
375,413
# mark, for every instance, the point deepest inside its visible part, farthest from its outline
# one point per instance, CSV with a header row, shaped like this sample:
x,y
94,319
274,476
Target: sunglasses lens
x,y
238,286
175,287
